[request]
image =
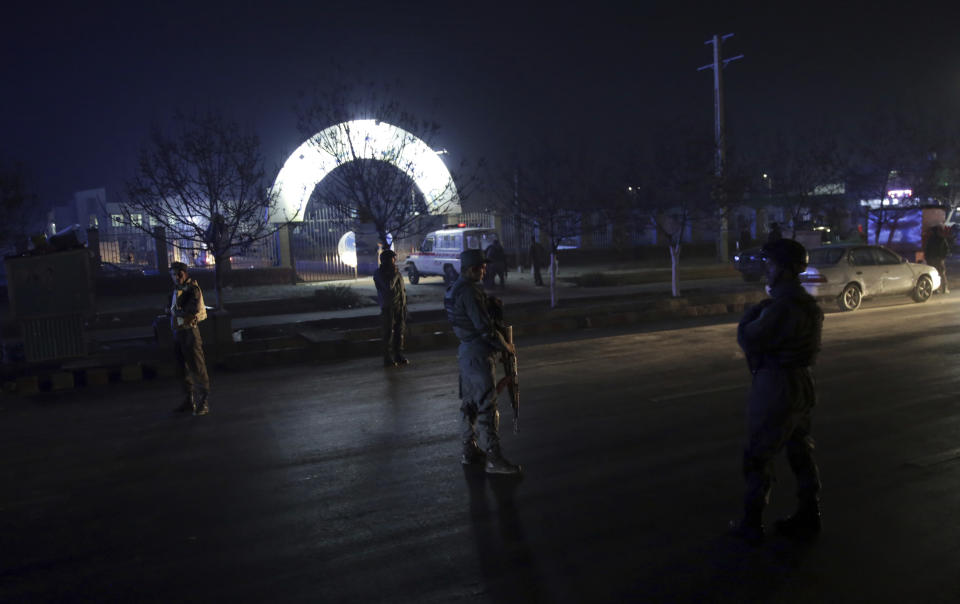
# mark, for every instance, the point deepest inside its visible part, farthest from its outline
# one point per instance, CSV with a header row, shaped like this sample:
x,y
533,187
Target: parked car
x,y
751,263
850,273
439,254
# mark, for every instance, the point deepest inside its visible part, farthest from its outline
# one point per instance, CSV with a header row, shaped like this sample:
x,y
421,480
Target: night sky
x,y
83,84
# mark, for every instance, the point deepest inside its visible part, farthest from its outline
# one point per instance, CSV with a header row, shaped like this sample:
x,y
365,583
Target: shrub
x,y
335,297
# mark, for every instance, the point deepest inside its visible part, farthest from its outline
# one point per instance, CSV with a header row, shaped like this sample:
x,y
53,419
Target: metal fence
x,y
127,245
324,247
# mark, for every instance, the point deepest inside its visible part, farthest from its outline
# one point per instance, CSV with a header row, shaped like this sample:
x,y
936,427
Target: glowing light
x,y
347,249
367,139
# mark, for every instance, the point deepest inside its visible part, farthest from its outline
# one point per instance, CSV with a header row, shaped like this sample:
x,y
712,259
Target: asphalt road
x,y
341,483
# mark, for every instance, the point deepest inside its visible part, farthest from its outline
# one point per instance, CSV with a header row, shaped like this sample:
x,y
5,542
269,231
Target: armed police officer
x,y
393,308
781,338
468,312
186,311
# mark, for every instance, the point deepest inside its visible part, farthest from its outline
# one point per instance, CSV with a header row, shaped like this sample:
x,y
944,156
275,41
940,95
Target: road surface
x,y
341,482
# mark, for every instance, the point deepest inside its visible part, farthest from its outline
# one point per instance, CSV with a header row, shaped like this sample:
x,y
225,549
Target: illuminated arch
x,y
371,139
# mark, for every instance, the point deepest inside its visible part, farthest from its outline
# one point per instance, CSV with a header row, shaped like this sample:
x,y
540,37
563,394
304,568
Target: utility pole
x,y
719,136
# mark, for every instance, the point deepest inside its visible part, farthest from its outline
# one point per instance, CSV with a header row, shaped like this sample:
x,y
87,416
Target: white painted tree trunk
x,y
553,280
675,270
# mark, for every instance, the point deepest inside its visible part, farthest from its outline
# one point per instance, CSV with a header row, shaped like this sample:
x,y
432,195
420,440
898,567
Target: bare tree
x,y
888,152
551,194
801,173
378,156
206,185
18,206
673,189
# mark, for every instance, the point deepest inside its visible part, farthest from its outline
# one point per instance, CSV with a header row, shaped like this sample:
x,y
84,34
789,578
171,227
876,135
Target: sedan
x,y
752,264
849,273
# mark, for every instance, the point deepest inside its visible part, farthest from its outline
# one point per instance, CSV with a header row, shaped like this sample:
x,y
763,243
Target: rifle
x,y
511,378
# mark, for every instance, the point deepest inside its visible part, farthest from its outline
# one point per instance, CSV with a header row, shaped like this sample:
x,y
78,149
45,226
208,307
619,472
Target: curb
x,y
323,346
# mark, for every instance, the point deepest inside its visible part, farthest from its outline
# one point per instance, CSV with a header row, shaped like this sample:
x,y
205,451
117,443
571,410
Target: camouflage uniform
x,y
781,339
186,310
467,310
393,311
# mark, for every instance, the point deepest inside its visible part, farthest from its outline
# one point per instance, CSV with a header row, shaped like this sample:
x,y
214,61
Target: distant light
x,y
461,224
629,188
764,175
899,193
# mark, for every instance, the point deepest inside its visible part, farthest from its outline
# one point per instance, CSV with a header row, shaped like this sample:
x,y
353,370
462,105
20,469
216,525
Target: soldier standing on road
x,y
468,312
393,308
781,338
537,260
935,253
186,311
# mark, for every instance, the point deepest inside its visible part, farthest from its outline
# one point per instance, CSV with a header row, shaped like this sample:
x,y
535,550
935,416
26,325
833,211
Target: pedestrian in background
x,y
468,311
393,308
497,258
187,310
537,260
781,338
775,233
935,252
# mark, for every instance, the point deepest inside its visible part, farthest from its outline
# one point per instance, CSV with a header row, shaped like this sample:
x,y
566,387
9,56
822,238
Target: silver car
x,y
850,273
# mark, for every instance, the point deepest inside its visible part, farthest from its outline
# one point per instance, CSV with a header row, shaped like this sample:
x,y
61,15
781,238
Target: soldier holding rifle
x,y
468,311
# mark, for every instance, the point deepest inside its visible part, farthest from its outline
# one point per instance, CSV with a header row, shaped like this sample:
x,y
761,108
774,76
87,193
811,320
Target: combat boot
x,y
803,525
472,454
203,408
498,464
389,362
402,360
749,530
187,406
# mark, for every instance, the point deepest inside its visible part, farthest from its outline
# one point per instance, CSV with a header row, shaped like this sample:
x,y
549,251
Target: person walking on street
x,y
498,262
775,232
186,311
780,338
537,260
393,308
935,252
467,310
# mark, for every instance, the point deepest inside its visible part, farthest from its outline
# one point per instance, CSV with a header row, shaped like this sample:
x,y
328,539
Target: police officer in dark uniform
x,y
186,311
393,308
468,312
781,338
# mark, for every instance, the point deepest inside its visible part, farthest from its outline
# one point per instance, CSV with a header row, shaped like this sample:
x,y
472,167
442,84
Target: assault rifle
x,y
511,378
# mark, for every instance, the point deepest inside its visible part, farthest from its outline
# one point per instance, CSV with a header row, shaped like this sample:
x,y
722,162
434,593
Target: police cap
x,y
470,258
788,253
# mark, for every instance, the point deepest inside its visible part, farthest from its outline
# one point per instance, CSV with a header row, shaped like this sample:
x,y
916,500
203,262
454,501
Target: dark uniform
x,y
537,260
781,338
498,263
467,310
186,311
393,309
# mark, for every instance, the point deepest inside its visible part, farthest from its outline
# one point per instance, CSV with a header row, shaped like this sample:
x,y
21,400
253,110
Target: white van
x,y
439,254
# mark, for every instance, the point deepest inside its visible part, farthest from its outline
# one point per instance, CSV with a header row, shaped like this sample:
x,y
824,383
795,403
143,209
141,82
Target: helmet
x,y
470,258
788,253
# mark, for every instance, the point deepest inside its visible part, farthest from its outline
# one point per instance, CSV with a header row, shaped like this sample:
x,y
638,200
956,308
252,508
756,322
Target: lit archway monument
x,y
361,139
